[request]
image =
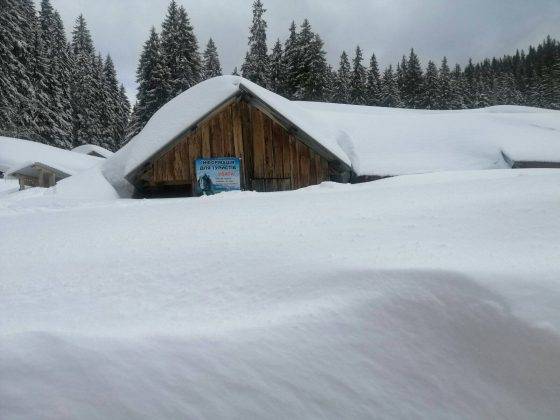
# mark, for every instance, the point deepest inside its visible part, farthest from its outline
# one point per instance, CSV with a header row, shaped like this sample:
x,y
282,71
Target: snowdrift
x,y
426,296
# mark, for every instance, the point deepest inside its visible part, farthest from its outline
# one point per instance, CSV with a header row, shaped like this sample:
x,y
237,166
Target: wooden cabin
x,y
38,175
275,154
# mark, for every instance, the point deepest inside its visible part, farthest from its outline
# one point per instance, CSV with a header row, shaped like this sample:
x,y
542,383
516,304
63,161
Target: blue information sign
x,y
215,175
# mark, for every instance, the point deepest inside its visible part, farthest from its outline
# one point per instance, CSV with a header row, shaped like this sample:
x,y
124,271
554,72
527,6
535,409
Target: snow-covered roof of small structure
x,y
16,154
388,141
372,140
93,150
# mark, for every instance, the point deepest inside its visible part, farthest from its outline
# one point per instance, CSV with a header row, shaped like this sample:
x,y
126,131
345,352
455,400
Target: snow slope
x,y
425,296
17,153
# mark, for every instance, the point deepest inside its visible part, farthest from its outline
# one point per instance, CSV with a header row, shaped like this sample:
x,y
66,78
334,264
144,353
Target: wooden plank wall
x,y
272,158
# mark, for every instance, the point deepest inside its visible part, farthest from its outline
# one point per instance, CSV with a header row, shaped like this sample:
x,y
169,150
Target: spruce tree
x,y
290,62
412,86
179,48
152,76
112,124
342,86
311,66
84,87
123,117
58,129
277,70
458,89
235,72
390,94
255,67
430,88
211,61
373,83
445,88
358,94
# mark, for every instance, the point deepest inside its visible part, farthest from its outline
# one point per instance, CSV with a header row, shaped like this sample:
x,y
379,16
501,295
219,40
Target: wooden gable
x,y
274,158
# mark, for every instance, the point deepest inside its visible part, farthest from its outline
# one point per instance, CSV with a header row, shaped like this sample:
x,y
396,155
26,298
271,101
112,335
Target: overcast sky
x,y
458,29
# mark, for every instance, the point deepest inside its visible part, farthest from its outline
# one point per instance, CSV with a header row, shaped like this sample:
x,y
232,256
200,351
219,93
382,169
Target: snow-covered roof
x,y
33,170
388,141
16,154
93,150
372,140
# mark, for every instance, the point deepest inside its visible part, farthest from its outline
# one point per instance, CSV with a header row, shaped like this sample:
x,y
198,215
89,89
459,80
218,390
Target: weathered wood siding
x,y
272,158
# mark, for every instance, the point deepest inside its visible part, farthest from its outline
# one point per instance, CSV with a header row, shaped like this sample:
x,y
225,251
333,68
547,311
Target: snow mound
x,y
421,296
86,149
16,153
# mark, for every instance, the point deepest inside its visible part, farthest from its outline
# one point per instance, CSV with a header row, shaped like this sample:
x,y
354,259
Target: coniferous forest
x,y
65,94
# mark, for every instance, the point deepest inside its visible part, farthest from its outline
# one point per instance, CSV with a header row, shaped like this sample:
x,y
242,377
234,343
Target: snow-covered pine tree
x,y
235,72
180,52
330,84
552,82
342,87
211,61
276,71
112,124
291,58
19,101
255,67
412,89
10,67
358,93
123,118
152,76
430,89
458,89
373,83
445,89
84,92
58,129
103,115
390,94
311,66
400,75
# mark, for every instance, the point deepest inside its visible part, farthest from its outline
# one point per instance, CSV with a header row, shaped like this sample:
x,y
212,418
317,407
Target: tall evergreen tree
x,y
153,78
311,66
211,61
390,93
84,87
179,49
255,67
277,70
373,83
123,117
290,62
412,87
358,93
445,87
430,88
58,129
112,127
342,87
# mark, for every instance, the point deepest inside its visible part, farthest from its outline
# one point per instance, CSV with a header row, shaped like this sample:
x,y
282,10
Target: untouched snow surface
x,y
426,296
17,153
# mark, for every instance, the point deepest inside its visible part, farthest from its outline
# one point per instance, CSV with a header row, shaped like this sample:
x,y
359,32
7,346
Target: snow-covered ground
x,y
424,296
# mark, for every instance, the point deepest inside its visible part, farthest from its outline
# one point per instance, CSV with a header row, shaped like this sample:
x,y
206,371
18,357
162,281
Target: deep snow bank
x,y
429,296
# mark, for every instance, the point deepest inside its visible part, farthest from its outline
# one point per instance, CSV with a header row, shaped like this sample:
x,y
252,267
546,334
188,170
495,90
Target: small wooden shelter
x,y
276,154
38,175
